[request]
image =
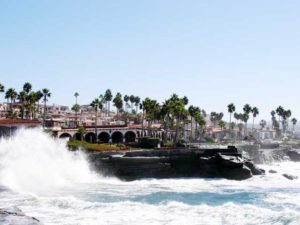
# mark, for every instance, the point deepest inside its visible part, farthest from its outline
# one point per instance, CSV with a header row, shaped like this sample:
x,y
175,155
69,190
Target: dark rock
x,y
179,162
290,177
230,161
14,216
254,169
237,173
294,155
272,171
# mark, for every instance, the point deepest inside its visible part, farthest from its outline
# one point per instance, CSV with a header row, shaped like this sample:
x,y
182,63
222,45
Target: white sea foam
x,y
57,186
32,161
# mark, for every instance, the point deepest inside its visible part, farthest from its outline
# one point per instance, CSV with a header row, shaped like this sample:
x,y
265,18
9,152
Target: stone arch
x,y
90,137
117,137
104,137
77,136
130,136
65,135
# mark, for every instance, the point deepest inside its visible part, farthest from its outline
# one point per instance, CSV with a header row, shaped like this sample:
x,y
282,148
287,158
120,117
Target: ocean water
x,y
38,175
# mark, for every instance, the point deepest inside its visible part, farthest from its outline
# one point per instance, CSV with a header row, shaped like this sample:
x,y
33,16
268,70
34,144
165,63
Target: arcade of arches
x,y
116,136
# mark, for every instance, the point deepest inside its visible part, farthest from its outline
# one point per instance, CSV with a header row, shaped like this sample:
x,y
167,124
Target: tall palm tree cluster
x,y
242,117
173,114
134,102
121,103
26,100
283,118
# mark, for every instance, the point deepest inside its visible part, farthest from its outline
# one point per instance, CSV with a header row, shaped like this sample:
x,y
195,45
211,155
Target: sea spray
x,y
66,192
32,161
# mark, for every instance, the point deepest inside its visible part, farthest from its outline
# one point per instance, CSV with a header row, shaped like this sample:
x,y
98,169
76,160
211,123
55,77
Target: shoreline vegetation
x,y
76,145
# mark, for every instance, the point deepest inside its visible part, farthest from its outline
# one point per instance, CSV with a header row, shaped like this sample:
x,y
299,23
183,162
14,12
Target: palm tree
x,y
192,112
81,131
108,98
118,102
22,99
132,100
280,111
236,117
2,88
176,106
245,117
46,94
39,96
263,124
137,101
76,96
255,112
95,104
102,103
30,104
76,109
215,117
285,119
185,100
231,109
200,121
126,99
247,110
222,124
142,107
11,95
294,121
27,87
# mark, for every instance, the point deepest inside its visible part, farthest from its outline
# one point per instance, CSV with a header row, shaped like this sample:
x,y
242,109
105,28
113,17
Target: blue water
x,y
40,177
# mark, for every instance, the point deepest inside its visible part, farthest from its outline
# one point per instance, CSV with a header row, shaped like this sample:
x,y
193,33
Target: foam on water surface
x,y
46,181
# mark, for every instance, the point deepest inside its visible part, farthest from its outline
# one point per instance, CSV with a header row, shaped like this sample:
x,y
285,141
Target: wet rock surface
x,y
176,163
294,155
290,177
14,216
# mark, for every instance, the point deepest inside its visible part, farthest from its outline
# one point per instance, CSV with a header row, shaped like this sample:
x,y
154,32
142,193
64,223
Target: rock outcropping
x,y
14,216
176,163
294,155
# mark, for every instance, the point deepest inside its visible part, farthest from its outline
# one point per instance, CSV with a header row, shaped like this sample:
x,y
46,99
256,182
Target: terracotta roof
x,y
18,122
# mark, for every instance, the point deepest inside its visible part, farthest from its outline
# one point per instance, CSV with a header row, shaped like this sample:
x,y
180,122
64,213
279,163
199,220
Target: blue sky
x,y
215,52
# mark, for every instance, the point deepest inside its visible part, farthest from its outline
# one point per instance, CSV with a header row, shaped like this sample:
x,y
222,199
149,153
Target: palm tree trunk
x,y
191,127
96,125
176,131
143,117
44,116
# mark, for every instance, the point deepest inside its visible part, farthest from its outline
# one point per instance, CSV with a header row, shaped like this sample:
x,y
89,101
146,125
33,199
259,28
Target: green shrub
x,y
75,145
148,142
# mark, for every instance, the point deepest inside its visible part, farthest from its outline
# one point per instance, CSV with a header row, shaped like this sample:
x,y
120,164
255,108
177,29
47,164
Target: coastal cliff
x,y
175,163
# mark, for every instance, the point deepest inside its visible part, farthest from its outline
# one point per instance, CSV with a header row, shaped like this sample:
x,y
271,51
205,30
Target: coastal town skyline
x,y
149,112
84,99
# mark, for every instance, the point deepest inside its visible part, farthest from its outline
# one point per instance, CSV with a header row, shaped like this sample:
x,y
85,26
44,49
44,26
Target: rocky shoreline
x,y
15,216
175,163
